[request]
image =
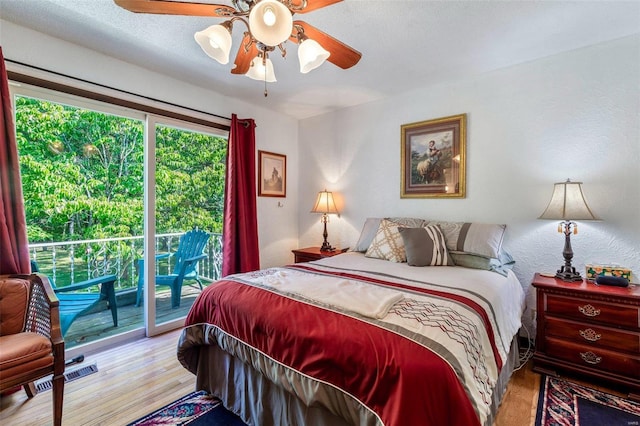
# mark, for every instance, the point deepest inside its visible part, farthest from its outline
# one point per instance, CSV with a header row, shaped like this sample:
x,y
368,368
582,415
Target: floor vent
x,y
68,376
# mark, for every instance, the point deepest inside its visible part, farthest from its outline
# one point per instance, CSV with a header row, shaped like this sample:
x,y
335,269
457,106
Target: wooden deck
x,y
96,326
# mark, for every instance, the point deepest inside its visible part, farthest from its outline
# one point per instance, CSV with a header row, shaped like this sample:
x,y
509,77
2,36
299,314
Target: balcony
x,y
66,263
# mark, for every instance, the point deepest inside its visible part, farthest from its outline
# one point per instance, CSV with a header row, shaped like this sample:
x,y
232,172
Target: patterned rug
x,y
563,403
196,409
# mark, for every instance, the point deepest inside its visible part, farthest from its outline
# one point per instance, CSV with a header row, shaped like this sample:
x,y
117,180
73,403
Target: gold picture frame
x,y
272,174
433,158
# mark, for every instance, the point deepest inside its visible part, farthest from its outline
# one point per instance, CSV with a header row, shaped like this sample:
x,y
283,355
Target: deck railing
x,y
69,262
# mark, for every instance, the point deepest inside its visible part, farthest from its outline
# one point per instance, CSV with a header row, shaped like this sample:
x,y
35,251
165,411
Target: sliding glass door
x,y
189,205
110,190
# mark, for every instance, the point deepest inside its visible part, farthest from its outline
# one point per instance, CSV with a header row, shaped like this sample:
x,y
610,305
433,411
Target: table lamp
x,y
325,205
568,204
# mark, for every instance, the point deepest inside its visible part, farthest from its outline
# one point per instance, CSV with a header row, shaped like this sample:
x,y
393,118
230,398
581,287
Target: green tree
x,y
190,177
81,171
82,174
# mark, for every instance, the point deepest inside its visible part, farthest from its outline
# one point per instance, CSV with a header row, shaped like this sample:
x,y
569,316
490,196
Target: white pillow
x,y
369,231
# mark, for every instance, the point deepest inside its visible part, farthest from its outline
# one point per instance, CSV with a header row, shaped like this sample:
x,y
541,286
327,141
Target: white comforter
x,y
502,297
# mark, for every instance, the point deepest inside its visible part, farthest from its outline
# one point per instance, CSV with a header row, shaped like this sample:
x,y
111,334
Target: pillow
x,y
387,243
477,238
506,259
369,231
371,225
408,222
468,260
425,246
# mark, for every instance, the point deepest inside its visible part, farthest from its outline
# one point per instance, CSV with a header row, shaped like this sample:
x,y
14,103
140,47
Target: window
x,y
83,173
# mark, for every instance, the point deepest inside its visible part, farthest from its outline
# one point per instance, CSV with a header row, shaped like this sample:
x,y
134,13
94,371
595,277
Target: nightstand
x,y
589,329
313,253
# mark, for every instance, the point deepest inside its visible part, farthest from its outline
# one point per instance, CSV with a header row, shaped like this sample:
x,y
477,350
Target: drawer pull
x,y
590,358
590,335
589,311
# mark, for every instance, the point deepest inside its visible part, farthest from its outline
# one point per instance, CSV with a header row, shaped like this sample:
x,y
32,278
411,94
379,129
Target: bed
x,y
356,340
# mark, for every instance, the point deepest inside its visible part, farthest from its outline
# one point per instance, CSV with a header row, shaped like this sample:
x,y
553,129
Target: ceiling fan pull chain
x,y
264,66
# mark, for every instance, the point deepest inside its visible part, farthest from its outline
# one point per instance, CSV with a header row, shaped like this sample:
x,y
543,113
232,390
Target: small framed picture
x,y
432,158
272,174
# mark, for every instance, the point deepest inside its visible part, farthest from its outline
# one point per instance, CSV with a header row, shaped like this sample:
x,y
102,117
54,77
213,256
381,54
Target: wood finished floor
x,y
137,378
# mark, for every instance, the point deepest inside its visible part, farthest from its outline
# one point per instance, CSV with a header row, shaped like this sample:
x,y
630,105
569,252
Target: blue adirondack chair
x,y
74,303
186,258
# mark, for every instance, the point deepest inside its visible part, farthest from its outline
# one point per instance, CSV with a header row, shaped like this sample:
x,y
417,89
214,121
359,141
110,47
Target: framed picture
x,y
432,159
272,174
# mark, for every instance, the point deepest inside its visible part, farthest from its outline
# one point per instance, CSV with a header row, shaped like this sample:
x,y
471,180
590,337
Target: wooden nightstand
x,y
308,254
589,329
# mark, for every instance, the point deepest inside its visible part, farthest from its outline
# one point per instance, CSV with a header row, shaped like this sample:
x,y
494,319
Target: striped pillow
x,y
425,246
483,239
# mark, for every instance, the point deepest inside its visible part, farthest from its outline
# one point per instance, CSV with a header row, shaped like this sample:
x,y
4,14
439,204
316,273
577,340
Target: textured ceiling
x,y
404,44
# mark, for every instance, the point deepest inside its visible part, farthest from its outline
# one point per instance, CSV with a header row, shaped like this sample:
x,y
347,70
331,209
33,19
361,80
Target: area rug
x,y
196,409
563,403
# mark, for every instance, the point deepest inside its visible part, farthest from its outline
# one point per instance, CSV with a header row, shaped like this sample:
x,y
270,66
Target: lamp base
x,y
326,246
568,274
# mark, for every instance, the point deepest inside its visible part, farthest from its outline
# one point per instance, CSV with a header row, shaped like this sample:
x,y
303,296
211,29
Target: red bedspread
x,y
403,382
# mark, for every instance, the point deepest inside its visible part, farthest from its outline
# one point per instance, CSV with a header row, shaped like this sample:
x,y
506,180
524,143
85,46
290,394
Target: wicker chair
x,y
31,343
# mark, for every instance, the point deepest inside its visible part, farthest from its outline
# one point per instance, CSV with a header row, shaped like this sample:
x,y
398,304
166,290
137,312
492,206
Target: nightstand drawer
x,y
588,356
593,335
589,330
592,310
299,258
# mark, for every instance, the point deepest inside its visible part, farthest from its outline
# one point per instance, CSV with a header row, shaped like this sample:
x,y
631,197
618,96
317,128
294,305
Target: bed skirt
x,y
260,401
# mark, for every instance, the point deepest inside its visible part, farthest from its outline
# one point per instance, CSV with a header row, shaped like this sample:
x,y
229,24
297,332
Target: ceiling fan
x,y
269,25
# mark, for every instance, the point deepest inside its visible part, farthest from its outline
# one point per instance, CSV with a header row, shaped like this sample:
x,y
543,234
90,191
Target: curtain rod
x,y
110,88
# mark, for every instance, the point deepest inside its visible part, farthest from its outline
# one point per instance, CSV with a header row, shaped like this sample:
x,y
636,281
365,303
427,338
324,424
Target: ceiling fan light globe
x,y
269,17
257,70
311,55
215,41
276,13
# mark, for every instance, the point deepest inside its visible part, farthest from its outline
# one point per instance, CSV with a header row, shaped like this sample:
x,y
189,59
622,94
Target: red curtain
x,y
240,251
14,251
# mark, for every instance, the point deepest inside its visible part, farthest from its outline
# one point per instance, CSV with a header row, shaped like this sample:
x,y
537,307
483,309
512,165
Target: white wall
x,y
278,227
575,115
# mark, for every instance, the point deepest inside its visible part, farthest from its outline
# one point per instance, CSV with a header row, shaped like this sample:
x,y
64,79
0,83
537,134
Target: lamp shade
x,y
270,22
568,203
311,55
325,203
216,42
260,71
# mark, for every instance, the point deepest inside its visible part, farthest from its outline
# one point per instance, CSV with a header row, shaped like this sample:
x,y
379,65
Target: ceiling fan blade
x,y
313,5
341,54
170,7
244,56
